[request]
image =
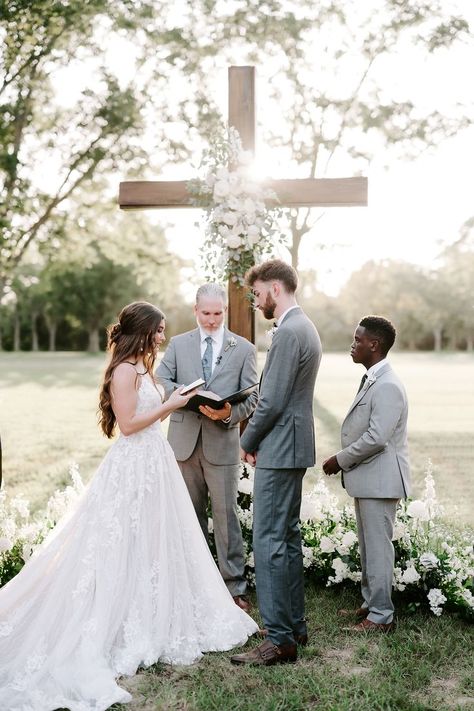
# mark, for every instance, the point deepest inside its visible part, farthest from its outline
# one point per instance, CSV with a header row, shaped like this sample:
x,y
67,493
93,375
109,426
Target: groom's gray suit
x,y
281,432
376,472
208,451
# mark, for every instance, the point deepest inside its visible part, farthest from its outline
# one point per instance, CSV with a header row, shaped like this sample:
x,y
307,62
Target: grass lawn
x,y
48,418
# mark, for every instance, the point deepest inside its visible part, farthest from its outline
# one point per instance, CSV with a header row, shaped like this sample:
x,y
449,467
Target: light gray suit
x,y
281,432
208,451
376,472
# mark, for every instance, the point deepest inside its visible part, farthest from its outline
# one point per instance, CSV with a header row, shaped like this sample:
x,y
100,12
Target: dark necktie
x,y
362,382
207,360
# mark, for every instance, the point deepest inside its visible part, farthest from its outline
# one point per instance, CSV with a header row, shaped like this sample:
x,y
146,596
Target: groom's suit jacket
x,y
374,457
281,430
236,369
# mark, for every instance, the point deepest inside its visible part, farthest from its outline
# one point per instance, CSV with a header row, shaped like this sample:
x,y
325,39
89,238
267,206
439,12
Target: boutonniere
x,y
370,381
230,343
271,332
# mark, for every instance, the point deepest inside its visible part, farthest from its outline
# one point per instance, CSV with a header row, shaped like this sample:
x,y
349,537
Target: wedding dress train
x,y
125,579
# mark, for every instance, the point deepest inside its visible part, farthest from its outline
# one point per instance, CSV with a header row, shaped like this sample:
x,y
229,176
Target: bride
x,y
126,578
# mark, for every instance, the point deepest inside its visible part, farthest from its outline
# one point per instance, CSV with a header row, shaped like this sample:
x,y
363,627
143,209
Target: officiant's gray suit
x,y
281,432
376,472
208,451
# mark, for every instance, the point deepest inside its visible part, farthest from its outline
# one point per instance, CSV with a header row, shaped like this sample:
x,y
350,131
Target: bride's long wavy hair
x,y
128,339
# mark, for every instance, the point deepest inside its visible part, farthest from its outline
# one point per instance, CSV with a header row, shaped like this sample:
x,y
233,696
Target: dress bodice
x,y
148,398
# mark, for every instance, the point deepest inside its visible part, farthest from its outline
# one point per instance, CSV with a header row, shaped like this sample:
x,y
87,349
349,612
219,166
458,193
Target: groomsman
x,y
279,442
375,468
206,444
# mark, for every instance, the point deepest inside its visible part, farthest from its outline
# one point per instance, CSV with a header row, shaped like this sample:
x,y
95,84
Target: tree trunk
x,y
34,333
16,332
52,327
93,340
437,335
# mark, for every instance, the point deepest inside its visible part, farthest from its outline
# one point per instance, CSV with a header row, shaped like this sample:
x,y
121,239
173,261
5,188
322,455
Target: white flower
x,y
341,569
210,525
399,530
253,235
245,486
418,510
428,561
230,218
5,544
410,575
222,173
233,241
307,506
21,506
221,189
308,556
348,539
250,561
436,600
327,545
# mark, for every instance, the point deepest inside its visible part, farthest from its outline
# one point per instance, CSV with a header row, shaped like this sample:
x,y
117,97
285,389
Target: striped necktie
x,y
207,360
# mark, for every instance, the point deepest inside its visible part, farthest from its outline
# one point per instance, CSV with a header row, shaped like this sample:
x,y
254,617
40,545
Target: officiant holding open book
x,y
205,439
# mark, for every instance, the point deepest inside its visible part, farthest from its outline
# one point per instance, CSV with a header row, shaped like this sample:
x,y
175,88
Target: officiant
x,y
206,443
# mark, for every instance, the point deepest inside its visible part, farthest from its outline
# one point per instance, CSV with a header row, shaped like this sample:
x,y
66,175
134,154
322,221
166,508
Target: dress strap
x,y
133,366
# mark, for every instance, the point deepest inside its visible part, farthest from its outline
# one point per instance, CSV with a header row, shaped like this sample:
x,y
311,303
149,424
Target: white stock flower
x,y
418,510
410,575
399,531
341,570
253,235
428,561
250,561
233,241
20,505
210,525
308,556
222,173
327,545
224,231
436,600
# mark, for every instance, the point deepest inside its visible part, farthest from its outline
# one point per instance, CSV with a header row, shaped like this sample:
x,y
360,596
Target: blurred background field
x,y
48,419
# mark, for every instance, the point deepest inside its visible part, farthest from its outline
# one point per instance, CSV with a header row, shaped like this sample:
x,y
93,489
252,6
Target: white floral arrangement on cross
x,y
240,211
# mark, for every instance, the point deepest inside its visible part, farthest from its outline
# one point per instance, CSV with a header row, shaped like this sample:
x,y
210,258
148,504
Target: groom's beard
x,y
268,308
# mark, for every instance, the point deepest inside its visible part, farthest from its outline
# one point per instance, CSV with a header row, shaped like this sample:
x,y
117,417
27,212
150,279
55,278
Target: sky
x,y
415,205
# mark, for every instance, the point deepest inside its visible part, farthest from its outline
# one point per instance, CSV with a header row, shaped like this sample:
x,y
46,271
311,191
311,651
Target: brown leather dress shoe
x,y
267,654
359,612
369,626
242,602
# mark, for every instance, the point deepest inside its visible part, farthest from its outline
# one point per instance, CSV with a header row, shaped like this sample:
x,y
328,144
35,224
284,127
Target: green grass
x,y
48,419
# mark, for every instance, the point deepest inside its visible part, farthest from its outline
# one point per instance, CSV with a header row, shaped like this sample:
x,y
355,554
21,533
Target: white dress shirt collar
x,y
279,320
374,369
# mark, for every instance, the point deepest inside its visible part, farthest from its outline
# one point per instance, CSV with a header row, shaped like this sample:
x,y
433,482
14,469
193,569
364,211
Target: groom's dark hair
x,y
381,329
273,270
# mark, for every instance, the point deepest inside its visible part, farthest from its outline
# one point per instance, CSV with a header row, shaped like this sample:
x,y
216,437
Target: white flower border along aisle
x,y
434,564
240,212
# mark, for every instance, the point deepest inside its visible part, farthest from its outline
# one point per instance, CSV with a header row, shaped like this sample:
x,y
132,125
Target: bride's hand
x,y
177,400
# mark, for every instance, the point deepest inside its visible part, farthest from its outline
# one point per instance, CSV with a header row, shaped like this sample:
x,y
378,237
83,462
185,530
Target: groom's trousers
x,y
277,552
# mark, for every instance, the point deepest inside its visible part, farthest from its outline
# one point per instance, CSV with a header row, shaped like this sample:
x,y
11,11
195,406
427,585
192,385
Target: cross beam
x,y
309,192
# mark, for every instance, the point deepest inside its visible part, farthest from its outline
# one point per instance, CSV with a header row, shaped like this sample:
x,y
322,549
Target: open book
x,y
207,397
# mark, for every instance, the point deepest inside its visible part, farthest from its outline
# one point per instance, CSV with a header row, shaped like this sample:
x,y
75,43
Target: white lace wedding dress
x,y
124,580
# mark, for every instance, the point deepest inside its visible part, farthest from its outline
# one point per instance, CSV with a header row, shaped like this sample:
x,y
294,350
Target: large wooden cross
x,y
307,192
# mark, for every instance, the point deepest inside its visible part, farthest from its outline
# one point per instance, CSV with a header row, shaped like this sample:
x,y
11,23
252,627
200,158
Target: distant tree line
x,y
66,304
431,309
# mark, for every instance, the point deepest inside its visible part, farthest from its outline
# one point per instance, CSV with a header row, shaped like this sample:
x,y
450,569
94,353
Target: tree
x,y
39,136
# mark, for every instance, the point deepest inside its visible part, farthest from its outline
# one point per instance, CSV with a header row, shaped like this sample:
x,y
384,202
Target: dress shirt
x,y
374,369
279,320
217,341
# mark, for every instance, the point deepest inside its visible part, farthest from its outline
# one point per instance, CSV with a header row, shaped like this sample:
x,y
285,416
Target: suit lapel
x,y
224,356
367,386
195,352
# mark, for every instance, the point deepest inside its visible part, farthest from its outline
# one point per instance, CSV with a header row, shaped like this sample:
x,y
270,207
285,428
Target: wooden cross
x,y
306,192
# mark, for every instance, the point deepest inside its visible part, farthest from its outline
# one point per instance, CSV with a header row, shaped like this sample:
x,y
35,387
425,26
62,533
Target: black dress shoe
x,y
267,654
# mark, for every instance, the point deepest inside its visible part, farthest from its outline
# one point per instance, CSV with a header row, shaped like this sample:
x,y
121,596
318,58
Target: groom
x,y
279,442
206,445
375,468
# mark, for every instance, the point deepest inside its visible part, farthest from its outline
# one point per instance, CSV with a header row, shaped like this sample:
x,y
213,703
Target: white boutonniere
x,y
370,381
271,332
230,343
